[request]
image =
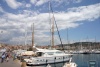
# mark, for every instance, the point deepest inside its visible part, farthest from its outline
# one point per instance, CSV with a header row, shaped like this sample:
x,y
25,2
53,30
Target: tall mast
x,y
26,36
81,45
51,27
50,24
56,25
67,37
95,43
53,32
32,35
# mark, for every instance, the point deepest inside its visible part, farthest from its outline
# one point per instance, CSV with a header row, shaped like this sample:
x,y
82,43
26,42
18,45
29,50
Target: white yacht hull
x,y
47,60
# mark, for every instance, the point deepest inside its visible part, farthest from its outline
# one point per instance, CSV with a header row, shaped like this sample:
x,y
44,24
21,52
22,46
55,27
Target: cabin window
x,y
55,57
59,52
50,53
39,54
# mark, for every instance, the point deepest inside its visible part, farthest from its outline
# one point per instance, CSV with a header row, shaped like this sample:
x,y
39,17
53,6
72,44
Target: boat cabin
x,y
49,53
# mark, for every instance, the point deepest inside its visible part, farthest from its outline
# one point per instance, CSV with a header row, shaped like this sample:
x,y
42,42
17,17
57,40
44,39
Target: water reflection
x,y
82,60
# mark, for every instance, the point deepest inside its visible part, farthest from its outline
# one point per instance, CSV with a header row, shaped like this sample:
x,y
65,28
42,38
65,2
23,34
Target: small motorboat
x,y
70,64
48,65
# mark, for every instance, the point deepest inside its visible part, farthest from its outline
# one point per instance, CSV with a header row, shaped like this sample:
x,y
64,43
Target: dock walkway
x,y
10,63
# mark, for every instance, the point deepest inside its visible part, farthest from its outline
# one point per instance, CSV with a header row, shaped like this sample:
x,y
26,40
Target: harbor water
x,y
82,60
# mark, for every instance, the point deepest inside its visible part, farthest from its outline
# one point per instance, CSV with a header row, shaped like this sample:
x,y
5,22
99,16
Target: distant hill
x,y
79,45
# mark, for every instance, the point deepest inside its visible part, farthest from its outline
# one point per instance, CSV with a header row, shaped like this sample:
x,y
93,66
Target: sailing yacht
x,y
48,56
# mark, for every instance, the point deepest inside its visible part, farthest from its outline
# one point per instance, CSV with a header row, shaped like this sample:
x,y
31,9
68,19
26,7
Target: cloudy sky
x,y
81,18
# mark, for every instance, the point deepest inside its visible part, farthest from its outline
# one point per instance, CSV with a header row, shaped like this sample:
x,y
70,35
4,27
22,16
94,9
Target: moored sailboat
x,y
48,56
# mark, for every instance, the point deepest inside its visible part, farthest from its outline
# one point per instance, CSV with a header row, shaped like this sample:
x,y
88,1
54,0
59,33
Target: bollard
x,y
23,64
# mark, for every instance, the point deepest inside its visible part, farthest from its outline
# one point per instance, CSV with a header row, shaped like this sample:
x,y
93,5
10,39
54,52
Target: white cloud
x,y
41,2
15,16
13,4
85,12
28,5
1,9
15,23
77,1
33,1
38,2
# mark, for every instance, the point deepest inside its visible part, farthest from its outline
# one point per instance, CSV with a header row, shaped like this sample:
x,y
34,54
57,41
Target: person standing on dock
x,y
14,57
3,57
7,56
